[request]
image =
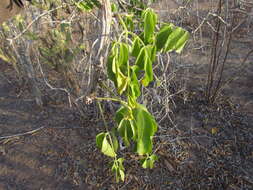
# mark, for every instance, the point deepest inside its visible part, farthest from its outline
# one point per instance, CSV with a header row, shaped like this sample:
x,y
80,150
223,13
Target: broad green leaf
x,y
114,7
107,148
104,145
146,163
152,158
118,169
132,101
136,69
151,52
146,65
110,73
181,42
137,45
149,161
120,161
123,54
121,113
128,20
99,140
140,59
110,60
117,66
144,62
148,77
83,6
122,82
114,140
125,131
150,20
173,39
122,174
87,5
134,130
163,35
146,127
134,86
115,169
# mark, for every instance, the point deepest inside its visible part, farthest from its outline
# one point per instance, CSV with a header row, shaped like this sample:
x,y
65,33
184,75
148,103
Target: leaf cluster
x,y
129,67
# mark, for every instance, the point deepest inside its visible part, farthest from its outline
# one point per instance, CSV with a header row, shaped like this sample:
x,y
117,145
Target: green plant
x,y
129,67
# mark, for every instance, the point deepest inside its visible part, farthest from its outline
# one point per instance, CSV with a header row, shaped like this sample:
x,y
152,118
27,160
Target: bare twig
x,y
22,134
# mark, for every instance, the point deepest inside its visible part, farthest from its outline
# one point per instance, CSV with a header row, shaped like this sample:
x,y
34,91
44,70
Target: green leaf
x,y
163,35
148,77
118,169
122,82
137,45
124,114
125,131
110,73
122,175
123,54
153,53
87,5
120,161
99,140
104,145
114,140
181,42
121,113
146,127
150,20
117,64
152,158
107,148
174,38
140,59
134,130
144,62
128,20
146,163
149,161
114,7
134,86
